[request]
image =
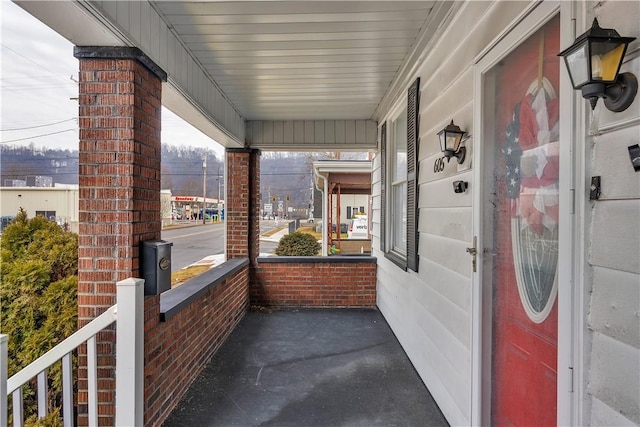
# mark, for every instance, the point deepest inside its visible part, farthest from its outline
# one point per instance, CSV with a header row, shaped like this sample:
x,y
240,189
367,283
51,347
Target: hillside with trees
x,y
282,174
182,171
18,162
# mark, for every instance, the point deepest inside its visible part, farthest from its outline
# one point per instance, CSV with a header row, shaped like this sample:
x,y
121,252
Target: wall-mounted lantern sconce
x,y
450,139
593,62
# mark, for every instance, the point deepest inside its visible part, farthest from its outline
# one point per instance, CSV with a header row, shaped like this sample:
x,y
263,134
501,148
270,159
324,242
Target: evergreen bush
x,y
38,296
298,244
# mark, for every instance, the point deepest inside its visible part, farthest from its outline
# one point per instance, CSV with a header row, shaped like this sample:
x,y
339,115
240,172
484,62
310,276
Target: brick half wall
x,y
314,282
195,319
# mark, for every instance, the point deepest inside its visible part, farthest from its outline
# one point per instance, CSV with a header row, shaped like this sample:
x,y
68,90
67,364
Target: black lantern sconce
x,y
594,61
450,139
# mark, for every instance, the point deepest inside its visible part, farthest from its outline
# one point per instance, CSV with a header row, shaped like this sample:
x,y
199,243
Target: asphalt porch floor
x,y
324,367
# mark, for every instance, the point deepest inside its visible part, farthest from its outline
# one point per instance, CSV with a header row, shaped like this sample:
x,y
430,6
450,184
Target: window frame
x,y
398,185
404,259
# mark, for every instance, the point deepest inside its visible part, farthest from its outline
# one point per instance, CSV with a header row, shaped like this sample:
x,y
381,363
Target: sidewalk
x,y
275,238
179,225
211,261
214,260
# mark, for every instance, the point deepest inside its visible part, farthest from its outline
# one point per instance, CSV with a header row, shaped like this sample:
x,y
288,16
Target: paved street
x,y
191,243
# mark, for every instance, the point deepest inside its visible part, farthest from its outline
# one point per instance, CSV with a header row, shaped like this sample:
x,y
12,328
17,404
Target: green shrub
x,y
38,296
298,244
52,419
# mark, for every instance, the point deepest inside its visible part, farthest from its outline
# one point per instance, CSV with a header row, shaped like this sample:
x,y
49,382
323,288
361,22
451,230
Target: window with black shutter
x,y
413,110
399,213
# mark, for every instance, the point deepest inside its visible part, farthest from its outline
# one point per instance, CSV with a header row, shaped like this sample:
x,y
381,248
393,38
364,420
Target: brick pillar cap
x,y
244,150
119,52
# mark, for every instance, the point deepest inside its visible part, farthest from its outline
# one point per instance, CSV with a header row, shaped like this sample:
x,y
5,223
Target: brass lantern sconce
x,y
594,61
450,140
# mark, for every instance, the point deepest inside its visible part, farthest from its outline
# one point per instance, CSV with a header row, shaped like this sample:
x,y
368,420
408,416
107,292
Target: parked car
x,y
358,228
6,220
343,228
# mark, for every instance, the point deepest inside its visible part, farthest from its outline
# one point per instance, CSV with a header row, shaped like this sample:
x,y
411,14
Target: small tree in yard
x,y
38,298
298,244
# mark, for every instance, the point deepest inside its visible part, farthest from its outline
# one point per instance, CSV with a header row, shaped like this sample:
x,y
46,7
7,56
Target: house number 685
x,y
438,165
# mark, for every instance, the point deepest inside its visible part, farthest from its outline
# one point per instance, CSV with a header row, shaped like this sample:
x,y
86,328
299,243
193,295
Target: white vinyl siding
x,y
612,241
430,311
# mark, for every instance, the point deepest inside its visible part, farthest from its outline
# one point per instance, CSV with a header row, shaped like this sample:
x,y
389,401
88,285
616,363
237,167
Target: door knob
x,y
473,251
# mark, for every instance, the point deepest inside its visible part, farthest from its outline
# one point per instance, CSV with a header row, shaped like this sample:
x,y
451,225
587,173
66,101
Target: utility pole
x,y
219,211
286,206
204,188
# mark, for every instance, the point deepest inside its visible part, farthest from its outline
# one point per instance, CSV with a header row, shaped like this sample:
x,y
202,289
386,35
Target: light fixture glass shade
x,y
595,56
594,61
606,59
450,139
578,66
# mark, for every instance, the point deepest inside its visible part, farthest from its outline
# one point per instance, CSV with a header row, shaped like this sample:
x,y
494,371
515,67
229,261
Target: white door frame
x,y
569,297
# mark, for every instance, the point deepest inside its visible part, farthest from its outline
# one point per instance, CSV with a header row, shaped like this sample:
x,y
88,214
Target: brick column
x,y
119,177
242,214
254,212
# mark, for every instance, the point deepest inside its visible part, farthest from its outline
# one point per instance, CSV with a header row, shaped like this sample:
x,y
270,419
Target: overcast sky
x,y
38,75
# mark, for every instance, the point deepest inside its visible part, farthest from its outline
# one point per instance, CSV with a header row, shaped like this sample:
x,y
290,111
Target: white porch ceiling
x,y
285,60
232,64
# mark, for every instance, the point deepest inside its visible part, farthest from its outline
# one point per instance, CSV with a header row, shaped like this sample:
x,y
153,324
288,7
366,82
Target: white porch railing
x,y
128,313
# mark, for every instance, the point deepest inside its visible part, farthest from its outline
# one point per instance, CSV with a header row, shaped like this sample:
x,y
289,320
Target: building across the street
x,y
39,181
15,183
59,203
190,208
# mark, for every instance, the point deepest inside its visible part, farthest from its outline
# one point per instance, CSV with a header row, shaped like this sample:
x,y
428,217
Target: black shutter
x,y
413,109
348,212
383,185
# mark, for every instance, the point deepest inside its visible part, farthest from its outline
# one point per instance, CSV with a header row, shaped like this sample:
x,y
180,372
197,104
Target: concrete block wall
x,y
304,283
177,350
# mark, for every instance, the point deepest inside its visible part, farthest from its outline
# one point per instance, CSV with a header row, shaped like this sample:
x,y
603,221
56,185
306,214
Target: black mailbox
x,y
155,266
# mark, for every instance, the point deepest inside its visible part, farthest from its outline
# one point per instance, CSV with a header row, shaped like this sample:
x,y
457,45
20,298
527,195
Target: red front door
x,y
521,109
